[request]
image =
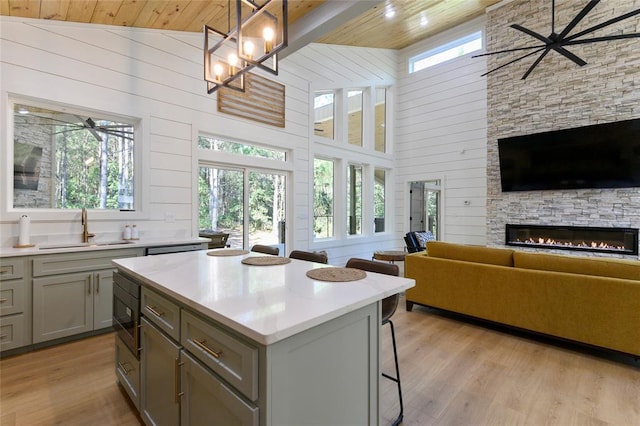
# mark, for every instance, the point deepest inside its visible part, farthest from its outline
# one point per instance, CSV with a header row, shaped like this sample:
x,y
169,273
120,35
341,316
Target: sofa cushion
x,y
602,267
477,254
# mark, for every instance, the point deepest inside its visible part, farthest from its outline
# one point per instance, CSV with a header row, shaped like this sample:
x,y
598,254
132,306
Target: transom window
x,y
446,52
224,145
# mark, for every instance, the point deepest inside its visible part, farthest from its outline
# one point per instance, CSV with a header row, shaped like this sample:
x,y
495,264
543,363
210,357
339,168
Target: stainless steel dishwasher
x,y
174,249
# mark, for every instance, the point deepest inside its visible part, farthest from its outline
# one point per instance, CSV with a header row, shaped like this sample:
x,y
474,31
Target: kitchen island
x,y
227,343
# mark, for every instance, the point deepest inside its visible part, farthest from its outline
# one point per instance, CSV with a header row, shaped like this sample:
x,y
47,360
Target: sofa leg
x,y
409,306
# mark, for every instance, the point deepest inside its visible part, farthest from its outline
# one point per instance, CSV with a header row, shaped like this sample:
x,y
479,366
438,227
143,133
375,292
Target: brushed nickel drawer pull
x,y
3,300
152,309
5,270
201,345
2,336
123,368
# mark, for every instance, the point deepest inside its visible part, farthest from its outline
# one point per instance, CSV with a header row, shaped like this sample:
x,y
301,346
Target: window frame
x,y
141,173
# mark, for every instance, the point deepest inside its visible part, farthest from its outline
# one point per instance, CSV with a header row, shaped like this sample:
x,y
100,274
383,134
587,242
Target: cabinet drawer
x,y
12,297
207,400
128,371
11,268
234,360
12,332
78,262
162,312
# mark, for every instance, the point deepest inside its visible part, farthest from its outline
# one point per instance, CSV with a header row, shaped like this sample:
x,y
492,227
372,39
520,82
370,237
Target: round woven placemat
x,y
227,252
265,260
336,274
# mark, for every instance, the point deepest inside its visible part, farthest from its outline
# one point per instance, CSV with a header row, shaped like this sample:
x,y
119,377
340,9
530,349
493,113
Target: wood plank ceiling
x,y
412,20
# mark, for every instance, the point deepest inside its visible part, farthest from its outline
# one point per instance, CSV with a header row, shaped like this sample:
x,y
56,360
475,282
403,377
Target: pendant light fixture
x,y
260,32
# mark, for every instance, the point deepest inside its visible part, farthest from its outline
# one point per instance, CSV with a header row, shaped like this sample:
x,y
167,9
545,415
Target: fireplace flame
x,y
583,244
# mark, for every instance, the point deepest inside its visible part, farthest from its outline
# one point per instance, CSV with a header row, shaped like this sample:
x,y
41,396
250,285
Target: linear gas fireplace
x,y
584,238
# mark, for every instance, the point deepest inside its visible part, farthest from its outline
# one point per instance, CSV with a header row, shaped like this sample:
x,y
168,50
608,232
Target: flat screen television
x,y
596,156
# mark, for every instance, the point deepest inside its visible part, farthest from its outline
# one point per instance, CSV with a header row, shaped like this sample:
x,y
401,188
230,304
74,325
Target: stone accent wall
x,y
558,94
35,131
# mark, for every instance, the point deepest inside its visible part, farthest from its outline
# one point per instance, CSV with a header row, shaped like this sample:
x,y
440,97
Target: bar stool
x,y
389,305
259,248
309,256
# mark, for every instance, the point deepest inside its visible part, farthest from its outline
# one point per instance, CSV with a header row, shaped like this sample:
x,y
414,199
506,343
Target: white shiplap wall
x,y
156,76
441,133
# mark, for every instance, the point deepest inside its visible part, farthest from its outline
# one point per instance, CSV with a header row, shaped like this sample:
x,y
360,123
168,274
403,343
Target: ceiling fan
x,y
559,41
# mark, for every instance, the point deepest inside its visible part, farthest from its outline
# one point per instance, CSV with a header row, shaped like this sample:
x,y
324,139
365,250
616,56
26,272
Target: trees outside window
x,y
323,189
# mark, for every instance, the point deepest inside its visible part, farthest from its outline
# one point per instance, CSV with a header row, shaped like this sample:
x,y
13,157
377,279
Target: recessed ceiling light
x,y
23,111
423,21
390,13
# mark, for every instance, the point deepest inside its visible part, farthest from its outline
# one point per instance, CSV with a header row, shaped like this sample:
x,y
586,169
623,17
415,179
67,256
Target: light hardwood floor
x,y
453,373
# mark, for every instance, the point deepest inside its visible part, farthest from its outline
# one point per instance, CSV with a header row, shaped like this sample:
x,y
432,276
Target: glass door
x,y
221,203
249,205
425,206
266,218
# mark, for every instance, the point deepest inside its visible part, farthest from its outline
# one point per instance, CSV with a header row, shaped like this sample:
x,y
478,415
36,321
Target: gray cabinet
x,y
207,400
128,371
73,293
160,387
14,307
62,306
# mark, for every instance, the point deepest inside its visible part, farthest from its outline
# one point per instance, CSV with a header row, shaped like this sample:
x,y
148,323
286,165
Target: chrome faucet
x,y
85,223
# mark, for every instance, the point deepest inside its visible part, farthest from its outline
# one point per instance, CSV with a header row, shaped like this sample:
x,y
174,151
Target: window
x,y
324,111
323,198
378,199
446,52
380,120
354,200
217,144
354,117
67,159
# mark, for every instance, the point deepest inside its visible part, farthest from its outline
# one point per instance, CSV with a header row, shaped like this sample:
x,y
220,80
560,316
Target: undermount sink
x,y
79,245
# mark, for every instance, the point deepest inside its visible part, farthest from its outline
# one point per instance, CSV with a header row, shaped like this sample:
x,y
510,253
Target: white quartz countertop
x,y
97,245
264,303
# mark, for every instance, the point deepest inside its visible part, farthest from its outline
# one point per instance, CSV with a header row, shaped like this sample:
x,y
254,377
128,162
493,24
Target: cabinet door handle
x,y
176,379
3,300
97,284
152,309
5,270
2,336
90,284
136,334
201,345
123,367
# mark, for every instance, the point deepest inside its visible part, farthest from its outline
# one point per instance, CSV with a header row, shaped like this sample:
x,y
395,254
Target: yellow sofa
x,y
585,299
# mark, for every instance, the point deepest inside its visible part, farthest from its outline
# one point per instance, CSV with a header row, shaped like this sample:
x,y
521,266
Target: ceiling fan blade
x,y
578,18
599,39
516,49
564,52
604,24
535,64
540,37
511,62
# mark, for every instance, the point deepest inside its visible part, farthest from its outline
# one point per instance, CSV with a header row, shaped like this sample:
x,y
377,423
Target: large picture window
x,y
72,159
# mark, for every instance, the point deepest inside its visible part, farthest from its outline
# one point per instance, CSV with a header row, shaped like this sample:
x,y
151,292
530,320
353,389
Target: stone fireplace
x,y
579,238
559,95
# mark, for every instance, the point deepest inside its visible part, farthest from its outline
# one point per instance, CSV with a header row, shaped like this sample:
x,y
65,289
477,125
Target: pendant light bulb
x,y
233,62
267,34
248,49
217,70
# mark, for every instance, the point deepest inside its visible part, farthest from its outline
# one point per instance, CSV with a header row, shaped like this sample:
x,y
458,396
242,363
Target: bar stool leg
x,y
396,379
